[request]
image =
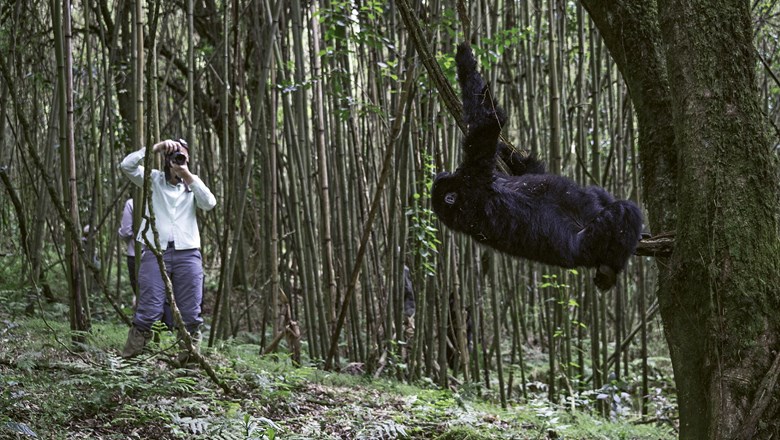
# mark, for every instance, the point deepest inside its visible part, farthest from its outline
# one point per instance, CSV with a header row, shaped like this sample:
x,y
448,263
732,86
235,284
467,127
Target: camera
x,y
178,158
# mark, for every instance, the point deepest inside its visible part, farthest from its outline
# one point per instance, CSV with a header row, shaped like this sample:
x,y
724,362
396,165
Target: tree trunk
x,y
708,171
328,261
728,202
79,306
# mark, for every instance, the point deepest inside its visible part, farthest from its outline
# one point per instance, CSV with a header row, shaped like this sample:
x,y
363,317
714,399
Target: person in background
x,y
127,234
176,193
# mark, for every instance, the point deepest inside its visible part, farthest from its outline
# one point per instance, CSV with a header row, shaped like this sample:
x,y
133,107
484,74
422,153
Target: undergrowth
x,y
50,389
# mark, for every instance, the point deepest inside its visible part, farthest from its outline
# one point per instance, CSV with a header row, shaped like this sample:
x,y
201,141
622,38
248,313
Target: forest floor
x,y
49,390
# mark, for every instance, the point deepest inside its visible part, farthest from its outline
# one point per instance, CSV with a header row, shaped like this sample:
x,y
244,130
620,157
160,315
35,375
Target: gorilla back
x,y
528,213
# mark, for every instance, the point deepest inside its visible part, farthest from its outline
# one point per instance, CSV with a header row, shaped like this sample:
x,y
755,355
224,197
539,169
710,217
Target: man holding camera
x,y
176,193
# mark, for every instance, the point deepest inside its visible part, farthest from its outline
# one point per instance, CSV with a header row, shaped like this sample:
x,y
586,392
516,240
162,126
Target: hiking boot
x,y
136,341
184,357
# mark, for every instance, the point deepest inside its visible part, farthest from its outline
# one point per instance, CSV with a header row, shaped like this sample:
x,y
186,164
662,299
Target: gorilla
x,y
526,212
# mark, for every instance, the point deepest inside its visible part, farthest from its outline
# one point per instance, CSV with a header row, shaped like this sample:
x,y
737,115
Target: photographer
x,y
175,193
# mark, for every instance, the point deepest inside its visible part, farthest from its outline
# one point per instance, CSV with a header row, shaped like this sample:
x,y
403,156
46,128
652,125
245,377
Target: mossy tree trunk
x,y
710,175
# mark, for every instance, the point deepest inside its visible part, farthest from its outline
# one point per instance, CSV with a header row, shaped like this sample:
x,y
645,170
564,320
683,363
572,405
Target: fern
x,y
239,427
29,360
227,436
385,429
195,426
20,428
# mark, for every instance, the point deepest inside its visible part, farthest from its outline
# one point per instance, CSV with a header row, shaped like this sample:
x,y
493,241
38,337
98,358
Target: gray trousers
x,y
185,269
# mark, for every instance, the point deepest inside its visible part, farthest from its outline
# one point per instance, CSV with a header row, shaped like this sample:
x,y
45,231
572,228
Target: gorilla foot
x,y
605,278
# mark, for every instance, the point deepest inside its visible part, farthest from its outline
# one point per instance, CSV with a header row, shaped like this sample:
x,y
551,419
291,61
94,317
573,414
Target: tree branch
x,y
406,96
447,93
660,245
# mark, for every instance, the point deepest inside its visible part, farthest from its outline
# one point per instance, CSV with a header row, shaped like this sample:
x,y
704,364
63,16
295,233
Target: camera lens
x,y
179,158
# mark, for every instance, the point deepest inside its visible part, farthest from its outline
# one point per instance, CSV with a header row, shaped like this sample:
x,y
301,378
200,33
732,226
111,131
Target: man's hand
x,y
167,147
182,171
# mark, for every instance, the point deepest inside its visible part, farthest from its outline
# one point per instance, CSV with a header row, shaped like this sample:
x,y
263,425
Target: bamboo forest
x,y
334,302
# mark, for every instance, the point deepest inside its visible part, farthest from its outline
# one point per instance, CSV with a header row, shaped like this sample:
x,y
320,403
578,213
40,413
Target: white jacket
x,y
174,206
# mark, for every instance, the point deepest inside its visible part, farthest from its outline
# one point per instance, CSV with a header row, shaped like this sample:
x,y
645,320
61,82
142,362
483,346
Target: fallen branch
x,y
154,248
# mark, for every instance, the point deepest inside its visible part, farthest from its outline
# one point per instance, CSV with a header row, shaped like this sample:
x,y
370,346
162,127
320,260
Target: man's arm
x,y
204,199
131,164
132,168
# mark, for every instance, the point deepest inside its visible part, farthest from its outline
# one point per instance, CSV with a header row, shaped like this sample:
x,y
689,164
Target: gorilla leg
x,y
480,112
476,109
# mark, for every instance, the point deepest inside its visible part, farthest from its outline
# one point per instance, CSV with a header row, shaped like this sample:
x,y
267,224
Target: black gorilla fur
x,y
527,213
